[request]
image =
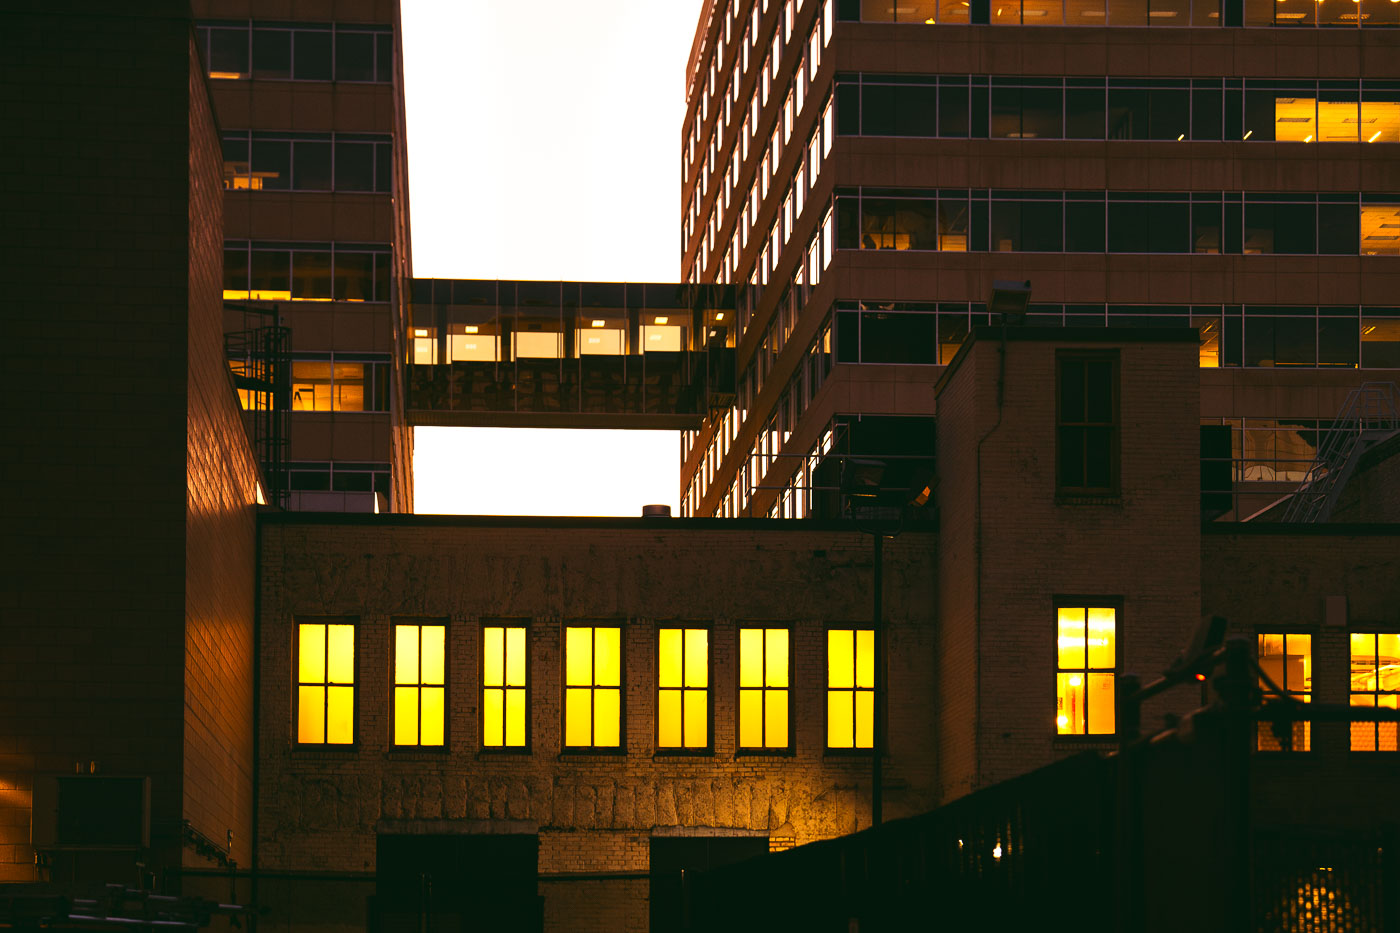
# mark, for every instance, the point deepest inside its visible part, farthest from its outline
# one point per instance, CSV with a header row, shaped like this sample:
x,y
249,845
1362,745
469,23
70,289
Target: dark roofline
x,y
1070,336
1303,529
273,516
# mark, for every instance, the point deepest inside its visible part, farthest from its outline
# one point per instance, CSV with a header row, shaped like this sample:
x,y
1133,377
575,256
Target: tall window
x,y
503,700
420,684
593,687
1086,663
850,688
763,688
1086,406
1375,682
325,683
683,688
1287,660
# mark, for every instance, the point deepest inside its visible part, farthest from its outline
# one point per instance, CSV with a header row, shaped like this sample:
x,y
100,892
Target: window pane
x,y
1380,230
228,53
668,661
433,716
578,708
515,718
1071,638
515,656
668,722
776,657
578,657
340,715
433,640
311,166
865,658
311,649
272,164
840,724
607,656
354,56
341,654
1101,708
493,657
311,275
1363,734
405,715
354,166
492,714
697,652
311,52
1069,704
354,276
865,719
272,54
751,660
311,711
775,719
271,275
840,658
696,726
405,654
750,718
606,717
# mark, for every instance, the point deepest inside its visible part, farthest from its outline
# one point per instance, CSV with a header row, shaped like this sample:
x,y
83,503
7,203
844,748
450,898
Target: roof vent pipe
x,y
656,511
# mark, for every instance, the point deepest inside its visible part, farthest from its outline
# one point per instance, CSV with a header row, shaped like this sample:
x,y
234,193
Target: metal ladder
x,y
1371,414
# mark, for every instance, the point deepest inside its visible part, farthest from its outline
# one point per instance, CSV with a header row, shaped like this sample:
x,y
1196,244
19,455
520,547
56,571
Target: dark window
x,y
311,275
1205,228
877,110
383,167
272,53
848,337
1127,113
1338,229
952,110
272,163
848,222
1084,227
1148,228
236,270
228,52
848,109
1207,105
346,481
1280,337
354,166
1026,226
892,337
1280,228
1087,423
381,276
354,276
384,56
311,166
311,55
1338,331
1084,113
1041,113
916,111
308,481
271,271
354,56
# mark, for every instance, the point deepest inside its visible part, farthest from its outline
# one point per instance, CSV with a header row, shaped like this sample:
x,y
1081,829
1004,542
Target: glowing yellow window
x,y
1086,663
763,688
683,688
420,691
592,687
1375,682
503,687
325,683
1287,661
850,688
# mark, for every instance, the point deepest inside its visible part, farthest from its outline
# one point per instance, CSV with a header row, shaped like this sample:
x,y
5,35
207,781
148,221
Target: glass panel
x,y
1380,229
840,725
493,657
697,654
311,55
515,656
750,718
405,654
751,659
515,718
311,711
775,718
668,661
492,712
1102,650
340,715
311,166
311,276
1363,734
1069,704
578,706
405,714
607,656
606,717
348,385
1380,119
1101,704
311,655
776,657
434,647
354,56
1071,638
271,275
341,654
272,54
865,719
865,658
578,657
668,721
696,725
840,658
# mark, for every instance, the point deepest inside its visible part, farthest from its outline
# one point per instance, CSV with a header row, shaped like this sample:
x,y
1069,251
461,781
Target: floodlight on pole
x,y
1010,299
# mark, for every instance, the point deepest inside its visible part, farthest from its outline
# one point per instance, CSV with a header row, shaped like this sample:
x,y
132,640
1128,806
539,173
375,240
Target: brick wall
x,y
220,480
595,813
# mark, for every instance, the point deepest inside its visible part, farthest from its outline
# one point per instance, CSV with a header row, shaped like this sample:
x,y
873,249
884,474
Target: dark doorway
x,y
455,883
674,858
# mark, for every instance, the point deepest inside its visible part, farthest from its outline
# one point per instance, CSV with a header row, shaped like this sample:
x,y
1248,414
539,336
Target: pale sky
x,y
544,143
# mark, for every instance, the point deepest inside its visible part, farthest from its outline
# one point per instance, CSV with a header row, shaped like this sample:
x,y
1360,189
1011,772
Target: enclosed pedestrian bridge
x,y
567,354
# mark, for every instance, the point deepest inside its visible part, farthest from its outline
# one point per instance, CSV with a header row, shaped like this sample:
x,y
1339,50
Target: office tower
x,y
864,170
309,100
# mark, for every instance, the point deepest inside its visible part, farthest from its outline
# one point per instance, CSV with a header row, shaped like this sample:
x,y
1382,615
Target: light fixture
x,y
1378,132
662,319
1075,680
1369,329
471,329
1181,137
599,323
420,332
1062,722
1248,134
996,851
719,315
1307,138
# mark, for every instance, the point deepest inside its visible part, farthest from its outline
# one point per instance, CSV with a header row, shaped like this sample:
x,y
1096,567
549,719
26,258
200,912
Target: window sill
x,y
417,753
849,753
1071,499
325,752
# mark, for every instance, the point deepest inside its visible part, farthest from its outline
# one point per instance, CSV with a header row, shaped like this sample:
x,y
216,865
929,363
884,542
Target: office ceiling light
x,y
1378,132
599,323
471,329
420,332
719,315
661,319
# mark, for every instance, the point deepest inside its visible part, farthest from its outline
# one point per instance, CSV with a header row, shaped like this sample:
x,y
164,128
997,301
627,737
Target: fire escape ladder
x,y
1368,417
260,361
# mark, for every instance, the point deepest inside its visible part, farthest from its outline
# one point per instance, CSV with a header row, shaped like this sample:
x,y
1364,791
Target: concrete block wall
x,y
594,813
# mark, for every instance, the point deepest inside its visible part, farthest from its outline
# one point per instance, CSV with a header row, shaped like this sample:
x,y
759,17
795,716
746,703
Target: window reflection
x,y
1287,661
1380,229
1375,682
476,343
